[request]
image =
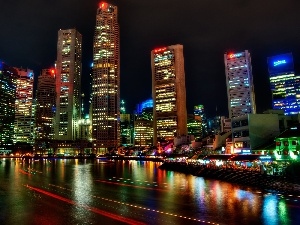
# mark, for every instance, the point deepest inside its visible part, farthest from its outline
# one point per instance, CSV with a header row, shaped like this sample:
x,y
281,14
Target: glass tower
x,y
106,80
8,77
285,85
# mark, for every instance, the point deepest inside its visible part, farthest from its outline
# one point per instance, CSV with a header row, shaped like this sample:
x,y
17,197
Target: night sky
x,y
206,28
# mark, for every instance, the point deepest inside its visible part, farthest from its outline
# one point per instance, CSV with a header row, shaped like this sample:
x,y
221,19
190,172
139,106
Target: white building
x,y
239,81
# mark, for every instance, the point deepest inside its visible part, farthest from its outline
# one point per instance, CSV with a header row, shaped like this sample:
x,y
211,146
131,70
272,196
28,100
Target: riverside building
x,y
8,76
169,94
45,105
106,80
68,84
285,85
24,110
239,81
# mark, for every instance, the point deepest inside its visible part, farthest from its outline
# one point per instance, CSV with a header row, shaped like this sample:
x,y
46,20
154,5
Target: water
x,y
76,191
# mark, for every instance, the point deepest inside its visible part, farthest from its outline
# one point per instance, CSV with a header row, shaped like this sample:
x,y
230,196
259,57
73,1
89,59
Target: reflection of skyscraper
x,y
68,84
7,106
285,85
239,80
45,108
106,79
24,114
168,92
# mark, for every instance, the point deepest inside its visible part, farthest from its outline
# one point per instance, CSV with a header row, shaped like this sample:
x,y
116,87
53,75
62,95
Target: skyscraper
x,y
68,84
24,113
106,79
285,85
45,108
8,77
168,93
239,80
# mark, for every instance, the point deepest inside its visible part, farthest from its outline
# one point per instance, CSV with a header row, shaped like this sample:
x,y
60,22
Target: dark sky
x,y
206,29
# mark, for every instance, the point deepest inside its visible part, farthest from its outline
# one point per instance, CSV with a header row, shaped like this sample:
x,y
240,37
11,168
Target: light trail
x,y
130,185
92,209
141,207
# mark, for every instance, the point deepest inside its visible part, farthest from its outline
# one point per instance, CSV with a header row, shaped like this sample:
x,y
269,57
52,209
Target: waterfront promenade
x,y
280,184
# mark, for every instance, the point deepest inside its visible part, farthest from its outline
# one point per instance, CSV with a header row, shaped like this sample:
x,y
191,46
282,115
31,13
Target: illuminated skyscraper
x,y
45,108
168,92
106,79
200,116
68,84
285,85
24,113
239,80
8,77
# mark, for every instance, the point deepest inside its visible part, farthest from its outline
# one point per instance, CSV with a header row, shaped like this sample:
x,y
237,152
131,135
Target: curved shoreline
x,y
278,184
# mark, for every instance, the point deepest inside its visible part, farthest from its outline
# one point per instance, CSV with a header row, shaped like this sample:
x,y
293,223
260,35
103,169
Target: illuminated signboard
x,y
281,64
236,55
159,50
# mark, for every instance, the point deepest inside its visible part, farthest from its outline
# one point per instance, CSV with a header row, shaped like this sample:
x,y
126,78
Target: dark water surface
x,y
73,191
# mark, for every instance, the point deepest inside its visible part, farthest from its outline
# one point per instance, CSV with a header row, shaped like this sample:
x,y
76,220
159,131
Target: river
x,y
74,191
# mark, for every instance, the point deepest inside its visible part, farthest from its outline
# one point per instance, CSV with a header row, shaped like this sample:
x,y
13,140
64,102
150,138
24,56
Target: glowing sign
x,y
159,50
235,55
279,62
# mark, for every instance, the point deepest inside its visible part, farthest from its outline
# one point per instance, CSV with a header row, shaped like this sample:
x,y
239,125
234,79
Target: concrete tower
x,y
68,84
239,81
168,93
24,112
106,80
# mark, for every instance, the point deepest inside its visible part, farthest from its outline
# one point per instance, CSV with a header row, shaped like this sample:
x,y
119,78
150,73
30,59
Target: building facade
x,y
68,84
251,131
106,80
239,81
168,93
8,76
285,85
45,105
24,110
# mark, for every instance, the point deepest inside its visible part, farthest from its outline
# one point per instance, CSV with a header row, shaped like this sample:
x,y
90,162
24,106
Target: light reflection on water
x,y
135,184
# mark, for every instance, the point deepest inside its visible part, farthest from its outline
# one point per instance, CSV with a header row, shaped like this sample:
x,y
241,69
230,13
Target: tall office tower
x,y
285,85
8,77
200,115
106,79
24,112
239,80
168,93
45,102
68,84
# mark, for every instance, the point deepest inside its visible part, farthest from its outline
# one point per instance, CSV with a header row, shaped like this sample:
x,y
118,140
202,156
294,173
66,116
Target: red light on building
x,y
52,71
102,5
159,50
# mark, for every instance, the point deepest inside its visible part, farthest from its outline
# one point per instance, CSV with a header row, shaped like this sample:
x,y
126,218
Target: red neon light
x,y
102,5
89,208
52,71
159,50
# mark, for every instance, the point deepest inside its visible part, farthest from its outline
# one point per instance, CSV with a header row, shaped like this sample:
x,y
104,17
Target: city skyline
x,y
205,30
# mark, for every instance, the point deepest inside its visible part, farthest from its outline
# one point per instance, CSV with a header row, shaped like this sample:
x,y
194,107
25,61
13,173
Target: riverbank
x,y
279,184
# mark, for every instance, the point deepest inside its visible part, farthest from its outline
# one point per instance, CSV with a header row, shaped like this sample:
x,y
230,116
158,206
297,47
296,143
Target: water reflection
x,y
133,189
